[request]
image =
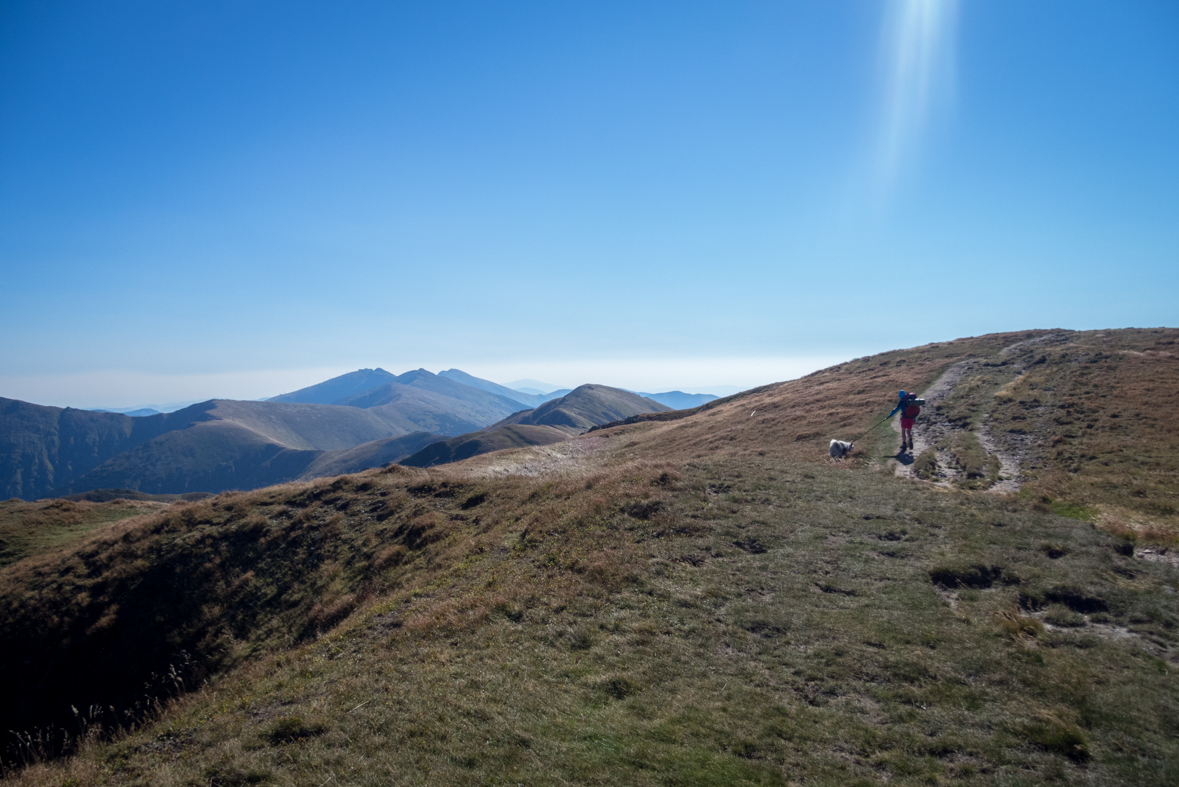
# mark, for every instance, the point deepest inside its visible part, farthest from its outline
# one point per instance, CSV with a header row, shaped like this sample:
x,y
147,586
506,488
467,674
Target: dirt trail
x,y
933,428
1009,476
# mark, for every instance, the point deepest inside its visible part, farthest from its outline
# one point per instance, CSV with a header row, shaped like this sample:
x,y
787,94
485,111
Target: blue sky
x,y
235,199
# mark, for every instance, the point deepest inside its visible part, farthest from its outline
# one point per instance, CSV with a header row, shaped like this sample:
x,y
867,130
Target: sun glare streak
x,y
919,37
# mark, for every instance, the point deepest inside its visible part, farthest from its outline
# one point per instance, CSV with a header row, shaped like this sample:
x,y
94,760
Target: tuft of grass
x,y
1018,626
1064,617
1059,737
976,468
229,776
1054,550
925,465
291,729
966,576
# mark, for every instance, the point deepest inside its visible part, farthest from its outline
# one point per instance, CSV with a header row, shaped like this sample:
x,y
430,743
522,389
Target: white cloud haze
x,y
121,388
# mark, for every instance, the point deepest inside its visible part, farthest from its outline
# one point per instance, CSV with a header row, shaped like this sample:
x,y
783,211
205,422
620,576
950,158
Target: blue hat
x,y
902,394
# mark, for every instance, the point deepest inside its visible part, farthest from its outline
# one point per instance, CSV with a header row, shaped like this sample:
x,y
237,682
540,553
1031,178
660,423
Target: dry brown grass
x,y
699,600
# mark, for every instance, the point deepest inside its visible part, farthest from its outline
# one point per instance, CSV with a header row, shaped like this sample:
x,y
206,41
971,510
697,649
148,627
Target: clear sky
x,y
239,198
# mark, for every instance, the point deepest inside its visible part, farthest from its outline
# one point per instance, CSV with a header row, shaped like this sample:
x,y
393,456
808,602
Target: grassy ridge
x,y
698,600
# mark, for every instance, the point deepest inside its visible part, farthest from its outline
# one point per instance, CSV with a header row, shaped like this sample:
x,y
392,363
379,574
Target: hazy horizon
x,y
95,390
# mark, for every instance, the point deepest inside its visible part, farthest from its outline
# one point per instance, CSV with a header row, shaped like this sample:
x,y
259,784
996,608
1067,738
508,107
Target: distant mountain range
x,y
678,400
342,389
523,397
553,421
531,386
362,419
209,447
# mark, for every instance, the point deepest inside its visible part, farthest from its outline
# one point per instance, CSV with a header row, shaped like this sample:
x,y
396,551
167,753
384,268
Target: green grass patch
x,y
1072,510
34,528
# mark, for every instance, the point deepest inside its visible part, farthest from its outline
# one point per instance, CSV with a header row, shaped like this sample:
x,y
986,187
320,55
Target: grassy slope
x,y
1101,410
688,601
28,529
551,422
495,439
1096,413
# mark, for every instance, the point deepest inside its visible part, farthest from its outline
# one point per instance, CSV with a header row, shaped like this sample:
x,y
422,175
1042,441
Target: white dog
x,y
840,449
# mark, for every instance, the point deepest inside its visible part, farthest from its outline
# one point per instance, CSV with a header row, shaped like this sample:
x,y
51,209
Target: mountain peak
x,y
337,388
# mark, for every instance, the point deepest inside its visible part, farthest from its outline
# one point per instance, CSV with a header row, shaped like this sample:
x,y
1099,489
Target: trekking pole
x,y
861,436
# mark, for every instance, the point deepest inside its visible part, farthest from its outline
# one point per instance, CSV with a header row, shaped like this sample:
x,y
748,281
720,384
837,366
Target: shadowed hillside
x,y
495,439
47,448
693,597
240,445
366,455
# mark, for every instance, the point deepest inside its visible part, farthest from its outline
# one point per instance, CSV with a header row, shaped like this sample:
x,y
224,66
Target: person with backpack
x,y
909,407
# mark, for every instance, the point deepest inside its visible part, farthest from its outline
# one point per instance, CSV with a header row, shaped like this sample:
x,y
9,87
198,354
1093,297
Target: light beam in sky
x,y
919,37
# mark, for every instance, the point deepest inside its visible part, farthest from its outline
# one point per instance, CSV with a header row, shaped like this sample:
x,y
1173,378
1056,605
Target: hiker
x,y
910,407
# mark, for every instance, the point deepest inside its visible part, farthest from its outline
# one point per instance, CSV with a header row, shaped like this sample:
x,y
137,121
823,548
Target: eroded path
x,y
936,431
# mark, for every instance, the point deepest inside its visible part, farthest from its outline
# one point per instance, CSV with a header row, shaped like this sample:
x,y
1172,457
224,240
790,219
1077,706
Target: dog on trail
x,y
840,449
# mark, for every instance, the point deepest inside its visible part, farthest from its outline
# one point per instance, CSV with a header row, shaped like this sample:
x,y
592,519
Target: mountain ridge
x,y
525,399
584,407
551,422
